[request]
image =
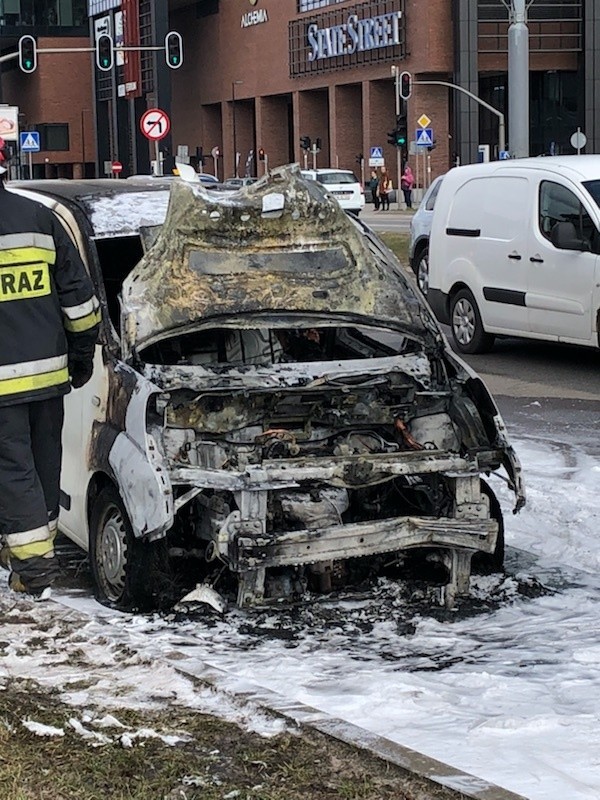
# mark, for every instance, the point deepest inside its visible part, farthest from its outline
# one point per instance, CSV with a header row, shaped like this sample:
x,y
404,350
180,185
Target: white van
x,y
515,249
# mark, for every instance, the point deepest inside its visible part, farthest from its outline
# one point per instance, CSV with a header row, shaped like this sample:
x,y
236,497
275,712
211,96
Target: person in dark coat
x,y
49,318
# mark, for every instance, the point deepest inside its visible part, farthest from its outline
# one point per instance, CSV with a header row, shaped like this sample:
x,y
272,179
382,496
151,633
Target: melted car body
x,y
278,407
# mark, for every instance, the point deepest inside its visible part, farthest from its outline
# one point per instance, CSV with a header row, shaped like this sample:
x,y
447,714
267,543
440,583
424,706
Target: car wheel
x,y
129,573
422,271
467,327
487,563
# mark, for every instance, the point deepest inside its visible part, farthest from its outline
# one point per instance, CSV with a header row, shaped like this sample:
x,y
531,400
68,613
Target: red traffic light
x,y
405,85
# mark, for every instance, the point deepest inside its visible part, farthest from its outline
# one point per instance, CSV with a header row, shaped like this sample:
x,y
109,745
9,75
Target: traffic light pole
x,y
398,149
499,114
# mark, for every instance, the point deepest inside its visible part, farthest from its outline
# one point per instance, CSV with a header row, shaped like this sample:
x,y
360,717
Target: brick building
x,y
266,72
56,100
263,73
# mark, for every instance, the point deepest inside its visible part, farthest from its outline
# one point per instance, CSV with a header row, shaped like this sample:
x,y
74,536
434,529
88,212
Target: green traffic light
x,y
28,64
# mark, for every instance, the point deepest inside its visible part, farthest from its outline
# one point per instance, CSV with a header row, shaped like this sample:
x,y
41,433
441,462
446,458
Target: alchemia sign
x,y
354,36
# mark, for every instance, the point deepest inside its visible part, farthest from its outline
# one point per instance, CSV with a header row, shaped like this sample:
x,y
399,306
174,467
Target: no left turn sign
x,y
155,124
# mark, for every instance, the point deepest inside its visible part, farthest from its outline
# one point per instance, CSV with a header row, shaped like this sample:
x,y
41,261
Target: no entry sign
x,y
155,124
117,167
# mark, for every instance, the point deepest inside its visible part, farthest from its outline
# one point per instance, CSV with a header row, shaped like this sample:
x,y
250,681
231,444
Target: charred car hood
x,y
282,244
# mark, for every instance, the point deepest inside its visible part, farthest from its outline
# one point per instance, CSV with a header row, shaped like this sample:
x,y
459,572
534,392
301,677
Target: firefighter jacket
x,y
49,314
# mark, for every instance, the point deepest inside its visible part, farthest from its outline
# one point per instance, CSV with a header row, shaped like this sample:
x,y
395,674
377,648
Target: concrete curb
x,y
418,764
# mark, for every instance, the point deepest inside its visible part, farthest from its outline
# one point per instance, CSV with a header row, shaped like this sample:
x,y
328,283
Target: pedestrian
x,y
374,187
406,184
49,321
385,187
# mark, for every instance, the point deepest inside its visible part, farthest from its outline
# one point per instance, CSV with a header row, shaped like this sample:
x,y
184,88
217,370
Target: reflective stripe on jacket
x,y
48,312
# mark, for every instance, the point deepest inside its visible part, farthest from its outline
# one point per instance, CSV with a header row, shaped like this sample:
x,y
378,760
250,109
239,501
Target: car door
x,y
560,285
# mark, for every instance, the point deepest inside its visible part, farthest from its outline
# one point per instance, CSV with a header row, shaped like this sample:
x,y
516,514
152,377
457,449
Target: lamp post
x,y
235,155
518,77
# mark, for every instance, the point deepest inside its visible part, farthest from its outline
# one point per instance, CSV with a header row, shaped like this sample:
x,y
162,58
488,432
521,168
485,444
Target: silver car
x,y
420,229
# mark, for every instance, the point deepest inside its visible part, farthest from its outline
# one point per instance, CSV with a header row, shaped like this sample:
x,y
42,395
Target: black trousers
x,y
30,461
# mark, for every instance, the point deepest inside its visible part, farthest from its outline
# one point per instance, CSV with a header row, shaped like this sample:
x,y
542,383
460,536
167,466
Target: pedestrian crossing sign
x,y
30,141
424,136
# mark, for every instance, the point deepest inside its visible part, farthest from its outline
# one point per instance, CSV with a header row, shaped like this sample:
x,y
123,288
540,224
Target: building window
x,y
312,5
54,136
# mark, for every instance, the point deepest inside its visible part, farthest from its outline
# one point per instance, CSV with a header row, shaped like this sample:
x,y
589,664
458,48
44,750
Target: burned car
x,y
272,405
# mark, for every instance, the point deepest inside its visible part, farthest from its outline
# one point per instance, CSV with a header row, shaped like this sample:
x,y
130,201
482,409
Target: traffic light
x,y
27,54
174,49
305,142
317,144
359,158
261,153
405,85
105,52
401,130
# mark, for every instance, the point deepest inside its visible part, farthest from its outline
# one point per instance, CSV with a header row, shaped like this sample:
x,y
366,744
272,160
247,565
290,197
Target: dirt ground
x,y
212,760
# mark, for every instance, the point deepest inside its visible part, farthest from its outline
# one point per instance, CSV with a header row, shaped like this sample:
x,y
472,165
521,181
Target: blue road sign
x,y
376,152
503,155
30,141
424,136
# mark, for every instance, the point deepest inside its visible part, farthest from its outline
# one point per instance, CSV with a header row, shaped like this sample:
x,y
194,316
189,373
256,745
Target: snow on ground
x,y
509,692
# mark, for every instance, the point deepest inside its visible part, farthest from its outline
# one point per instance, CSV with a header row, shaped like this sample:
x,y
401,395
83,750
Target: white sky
x,y
511,695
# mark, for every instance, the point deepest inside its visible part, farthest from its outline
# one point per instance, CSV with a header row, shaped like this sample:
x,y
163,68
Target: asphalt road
x,y
392,221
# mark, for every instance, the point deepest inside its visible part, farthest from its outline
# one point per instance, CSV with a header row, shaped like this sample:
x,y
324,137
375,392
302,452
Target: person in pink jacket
x,y
406,184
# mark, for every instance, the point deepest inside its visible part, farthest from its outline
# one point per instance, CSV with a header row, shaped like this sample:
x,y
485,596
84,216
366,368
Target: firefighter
x,y
49,319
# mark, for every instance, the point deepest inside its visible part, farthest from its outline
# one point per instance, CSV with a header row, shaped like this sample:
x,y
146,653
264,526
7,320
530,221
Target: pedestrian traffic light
x,y
359,158
405,85
261,153
317,144
27,54
174,49
105,52
305,142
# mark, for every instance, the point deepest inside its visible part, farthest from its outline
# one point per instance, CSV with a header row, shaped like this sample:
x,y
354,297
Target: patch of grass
x,y
217,759
398,244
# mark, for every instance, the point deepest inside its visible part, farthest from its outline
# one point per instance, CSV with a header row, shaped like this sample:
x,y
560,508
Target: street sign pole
x,y
30,159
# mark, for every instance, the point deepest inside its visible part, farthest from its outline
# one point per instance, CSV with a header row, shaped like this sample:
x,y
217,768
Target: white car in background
x,y
342,184
420,230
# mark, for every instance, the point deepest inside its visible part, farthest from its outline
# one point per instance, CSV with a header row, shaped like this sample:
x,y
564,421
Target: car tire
x,y
129,574
488,563
467,328
421,270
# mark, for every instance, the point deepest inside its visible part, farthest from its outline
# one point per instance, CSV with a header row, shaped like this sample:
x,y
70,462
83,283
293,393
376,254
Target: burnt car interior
x,y
117,256
265,346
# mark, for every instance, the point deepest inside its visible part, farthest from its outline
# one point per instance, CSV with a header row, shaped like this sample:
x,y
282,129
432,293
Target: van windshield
x,y
593,188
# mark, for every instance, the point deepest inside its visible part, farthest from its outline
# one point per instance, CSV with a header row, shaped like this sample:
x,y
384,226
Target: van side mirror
x,y
564,236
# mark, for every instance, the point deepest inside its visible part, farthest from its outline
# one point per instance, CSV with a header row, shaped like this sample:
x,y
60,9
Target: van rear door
x,y
562,292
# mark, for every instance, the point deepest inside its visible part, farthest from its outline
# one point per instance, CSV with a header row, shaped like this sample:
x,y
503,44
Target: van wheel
x,y
467,328
422,271
129,573
487,563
